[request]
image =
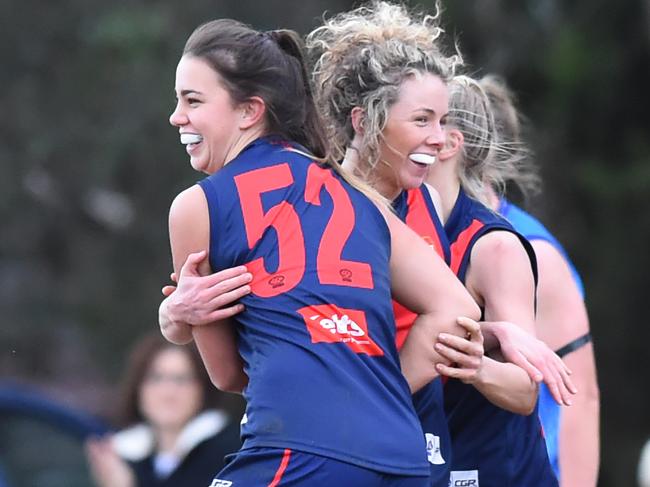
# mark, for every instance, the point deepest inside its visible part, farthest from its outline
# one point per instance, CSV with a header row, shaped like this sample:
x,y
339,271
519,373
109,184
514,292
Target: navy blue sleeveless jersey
x,y
430,408
492,447
549,411
415,207
317,335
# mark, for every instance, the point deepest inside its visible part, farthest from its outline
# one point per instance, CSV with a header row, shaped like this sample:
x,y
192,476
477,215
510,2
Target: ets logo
x,y
328,323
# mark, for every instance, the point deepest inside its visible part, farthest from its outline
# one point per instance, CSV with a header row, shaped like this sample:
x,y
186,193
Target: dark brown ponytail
x,y
269,65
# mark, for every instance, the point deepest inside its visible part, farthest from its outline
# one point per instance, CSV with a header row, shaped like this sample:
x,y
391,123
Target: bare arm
x,y
561,318
189,232
421,281
501,278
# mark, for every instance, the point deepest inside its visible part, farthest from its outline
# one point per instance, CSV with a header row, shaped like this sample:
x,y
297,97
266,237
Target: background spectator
x,y
174,432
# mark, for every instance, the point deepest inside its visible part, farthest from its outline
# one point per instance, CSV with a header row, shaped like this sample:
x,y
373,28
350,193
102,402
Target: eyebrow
x,y
190,92
431,111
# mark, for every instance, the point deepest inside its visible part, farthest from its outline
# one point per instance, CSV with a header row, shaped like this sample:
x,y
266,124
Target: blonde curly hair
x,y
361,58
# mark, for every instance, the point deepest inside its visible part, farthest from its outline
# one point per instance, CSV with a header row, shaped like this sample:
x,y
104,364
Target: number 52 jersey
x,y
318,333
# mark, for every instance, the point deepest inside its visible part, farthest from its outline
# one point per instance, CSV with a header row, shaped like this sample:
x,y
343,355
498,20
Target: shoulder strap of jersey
x,y
461,248
421,217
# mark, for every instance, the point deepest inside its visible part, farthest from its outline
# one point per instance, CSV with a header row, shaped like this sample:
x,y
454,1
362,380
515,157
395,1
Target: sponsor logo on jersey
x,y
434,455
463,478
330,324
221,483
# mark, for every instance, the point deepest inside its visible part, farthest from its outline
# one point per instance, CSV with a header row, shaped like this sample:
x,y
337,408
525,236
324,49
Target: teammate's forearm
x,y
507,386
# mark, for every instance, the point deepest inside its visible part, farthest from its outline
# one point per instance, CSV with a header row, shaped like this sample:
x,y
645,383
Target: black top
x,y
198,468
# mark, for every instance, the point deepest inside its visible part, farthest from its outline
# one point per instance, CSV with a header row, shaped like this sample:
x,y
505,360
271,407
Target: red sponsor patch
x,y
330,324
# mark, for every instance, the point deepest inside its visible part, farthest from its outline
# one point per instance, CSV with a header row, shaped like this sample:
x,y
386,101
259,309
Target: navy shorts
x,y
275,467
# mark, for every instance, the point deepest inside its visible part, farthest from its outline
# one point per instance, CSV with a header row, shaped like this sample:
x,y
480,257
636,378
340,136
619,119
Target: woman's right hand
x,y
200,300
106,467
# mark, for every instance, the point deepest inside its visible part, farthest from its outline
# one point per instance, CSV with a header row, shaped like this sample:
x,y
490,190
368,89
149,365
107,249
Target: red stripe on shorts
x,y
281,468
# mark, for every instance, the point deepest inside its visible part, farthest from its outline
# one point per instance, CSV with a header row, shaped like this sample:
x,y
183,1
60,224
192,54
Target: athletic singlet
x,y
492,447
549,411
317,335
415,207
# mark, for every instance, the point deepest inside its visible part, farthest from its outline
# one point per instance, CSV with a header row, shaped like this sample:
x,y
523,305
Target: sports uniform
x,y
492,447
416,209
549,410
317,334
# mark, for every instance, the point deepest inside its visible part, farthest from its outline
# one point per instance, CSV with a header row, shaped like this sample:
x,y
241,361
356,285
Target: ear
x,y
252,112
453,143
358,116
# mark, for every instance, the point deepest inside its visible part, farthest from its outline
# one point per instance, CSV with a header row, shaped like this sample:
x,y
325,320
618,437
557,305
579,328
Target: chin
x,y
412,183
198,165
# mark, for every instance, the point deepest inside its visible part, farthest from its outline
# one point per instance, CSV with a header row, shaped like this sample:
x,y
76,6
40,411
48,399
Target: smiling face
x,y
413,134
206,116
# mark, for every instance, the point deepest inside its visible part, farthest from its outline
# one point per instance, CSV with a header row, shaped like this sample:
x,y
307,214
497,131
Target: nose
x,y
437,136
177,117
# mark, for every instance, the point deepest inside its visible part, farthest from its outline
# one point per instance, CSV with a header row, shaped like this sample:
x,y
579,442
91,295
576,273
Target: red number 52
x,y
331,268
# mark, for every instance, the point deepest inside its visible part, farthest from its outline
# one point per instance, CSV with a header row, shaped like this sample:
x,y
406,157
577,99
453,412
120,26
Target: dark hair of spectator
x,y
138,364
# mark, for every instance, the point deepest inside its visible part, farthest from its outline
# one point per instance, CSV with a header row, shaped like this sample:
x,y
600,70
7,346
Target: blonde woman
x,y
496,438
572,434
381,82
381,78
